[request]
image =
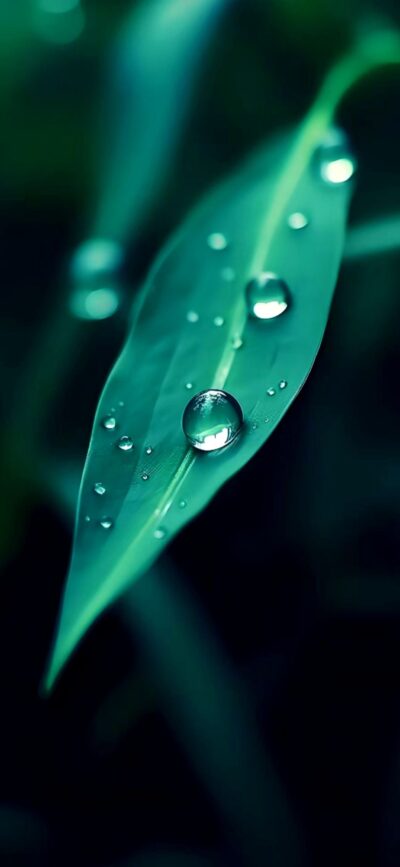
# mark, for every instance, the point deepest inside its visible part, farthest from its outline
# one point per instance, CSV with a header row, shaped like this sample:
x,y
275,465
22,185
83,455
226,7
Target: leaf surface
x,y
146,391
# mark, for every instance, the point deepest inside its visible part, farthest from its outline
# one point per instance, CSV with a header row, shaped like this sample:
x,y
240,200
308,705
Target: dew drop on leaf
x,y
212,420
109,422
87,519
106,523
218,321
282,384
335,162
99,489
267,296
160,533
217,241
125,443
228,274
271,391
149,450
237,342
188,385
182,504
297,220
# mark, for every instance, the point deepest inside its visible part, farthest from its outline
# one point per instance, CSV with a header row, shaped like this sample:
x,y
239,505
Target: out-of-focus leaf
x,y
152,489
154,64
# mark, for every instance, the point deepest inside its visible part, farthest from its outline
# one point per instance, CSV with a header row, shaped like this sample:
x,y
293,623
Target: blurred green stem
x,y
373,239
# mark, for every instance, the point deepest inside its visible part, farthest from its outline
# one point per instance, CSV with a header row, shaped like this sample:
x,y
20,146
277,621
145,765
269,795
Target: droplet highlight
x,y
125,443
271,391
228,274
267,296
106,523
212,420
149,450
145,477
217,241
297,220
99,489
109,422
335,161
282,384
189,385
218,321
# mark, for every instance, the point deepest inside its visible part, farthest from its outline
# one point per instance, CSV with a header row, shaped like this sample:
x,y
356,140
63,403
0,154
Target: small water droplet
x,y
192,316
160,533
266,420
182,504
109,422
217,241
125,443
267,296
254,426
282,384
106,523
336,164
297,220
121,403
271,391
218,321
87,519
228,274
237,342
99,488
188,385
145,477
212,419
149,450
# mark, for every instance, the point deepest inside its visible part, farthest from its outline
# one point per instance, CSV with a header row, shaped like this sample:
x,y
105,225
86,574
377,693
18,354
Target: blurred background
x,y
268,636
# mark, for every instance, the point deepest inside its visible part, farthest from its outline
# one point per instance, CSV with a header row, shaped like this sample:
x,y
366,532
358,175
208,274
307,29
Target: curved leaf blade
x,y
165,350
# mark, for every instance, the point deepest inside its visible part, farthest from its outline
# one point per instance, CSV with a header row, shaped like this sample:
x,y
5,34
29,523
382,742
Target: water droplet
x,y
99,488
94,303
192,316
267,296
228,274
271,391
188,385
106,523
109,422
125,443
266,420
160,533
282,384
96,257
87,519
218,321
149,450
254,426
297,220
237,342
217,241
182,504
145,477
121,403
336,164
212,419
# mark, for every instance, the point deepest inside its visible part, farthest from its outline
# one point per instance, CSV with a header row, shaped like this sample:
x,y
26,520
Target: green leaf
x,y
165,351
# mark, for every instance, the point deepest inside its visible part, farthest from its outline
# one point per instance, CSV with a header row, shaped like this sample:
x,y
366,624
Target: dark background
x,y
294,566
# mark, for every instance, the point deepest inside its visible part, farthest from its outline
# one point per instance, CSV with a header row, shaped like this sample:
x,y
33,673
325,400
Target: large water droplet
x,y
109,422
106,523
336,164
267,296
217,241
99,488
297,220
125,443
212,420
